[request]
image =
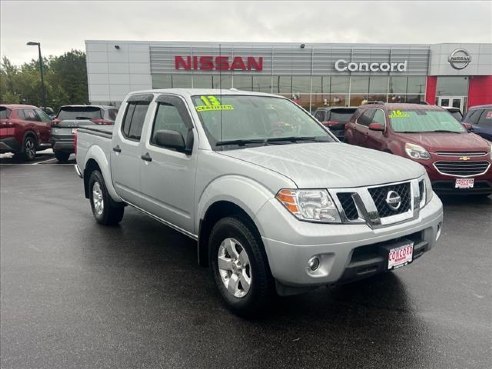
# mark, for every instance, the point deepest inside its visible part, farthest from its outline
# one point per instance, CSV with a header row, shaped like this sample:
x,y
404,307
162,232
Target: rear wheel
x,y
240,267
28,148
62,156
105,211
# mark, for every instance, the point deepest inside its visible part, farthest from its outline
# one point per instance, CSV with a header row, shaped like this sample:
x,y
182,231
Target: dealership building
x,y
314,75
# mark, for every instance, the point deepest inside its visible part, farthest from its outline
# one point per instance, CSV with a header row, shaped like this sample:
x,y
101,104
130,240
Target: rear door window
x,y
79,112
30,115
320,115
134,119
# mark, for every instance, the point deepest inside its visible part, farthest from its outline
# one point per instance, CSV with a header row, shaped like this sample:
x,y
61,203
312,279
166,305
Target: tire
x,y
28,152
243,263
105,211
62,156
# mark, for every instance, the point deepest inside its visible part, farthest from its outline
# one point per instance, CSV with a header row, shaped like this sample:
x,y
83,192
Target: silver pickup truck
x,y
274,200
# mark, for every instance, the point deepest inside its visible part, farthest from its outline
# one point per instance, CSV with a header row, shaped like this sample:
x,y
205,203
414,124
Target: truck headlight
x,y
416,151
309,205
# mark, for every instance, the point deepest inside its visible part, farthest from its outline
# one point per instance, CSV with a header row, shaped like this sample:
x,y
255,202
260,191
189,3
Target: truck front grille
x,y
380,195
348,205
461,153
462,169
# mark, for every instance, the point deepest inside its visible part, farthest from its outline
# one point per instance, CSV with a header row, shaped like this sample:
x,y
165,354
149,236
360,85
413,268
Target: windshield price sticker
x,y
399,114
212,103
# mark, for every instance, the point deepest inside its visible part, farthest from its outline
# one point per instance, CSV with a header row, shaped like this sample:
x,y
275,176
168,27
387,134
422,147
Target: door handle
x,y
146,157
117,148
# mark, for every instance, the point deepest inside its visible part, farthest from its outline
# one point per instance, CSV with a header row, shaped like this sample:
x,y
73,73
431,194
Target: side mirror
x,y
467,126
375,126
170,139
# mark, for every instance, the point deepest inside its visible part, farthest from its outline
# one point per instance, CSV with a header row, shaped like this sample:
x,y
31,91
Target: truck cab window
x,y
168,118
134,119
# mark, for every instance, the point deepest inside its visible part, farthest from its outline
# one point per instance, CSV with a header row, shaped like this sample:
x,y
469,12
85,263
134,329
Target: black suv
x,y
335,118
71,117
478,120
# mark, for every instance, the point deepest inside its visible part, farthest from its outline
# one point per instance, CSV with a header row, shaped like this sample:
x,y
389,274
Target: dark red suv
x,y
457,161
24,129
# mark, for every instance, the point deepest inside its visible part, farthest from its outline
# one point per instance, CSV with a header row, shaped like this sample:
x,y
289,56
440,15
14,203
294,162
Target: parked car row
x,y
457,161
25,129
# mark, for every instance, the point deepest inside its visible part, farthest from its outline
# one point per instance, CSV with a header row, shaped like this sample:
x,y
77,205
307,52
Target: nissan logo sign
x,y
459,59
393,200
344,65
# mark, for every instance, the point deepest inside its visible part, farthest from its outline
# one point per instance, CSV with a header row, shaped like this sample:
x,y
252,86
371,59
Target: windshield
x,y
79,112
239,120
341,115
486,118
421,120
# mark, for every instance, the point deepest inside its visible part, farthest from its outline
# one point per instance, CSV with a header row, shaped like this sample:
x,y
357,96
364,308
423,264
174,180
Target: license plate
x,y
464,183
74,130
400,256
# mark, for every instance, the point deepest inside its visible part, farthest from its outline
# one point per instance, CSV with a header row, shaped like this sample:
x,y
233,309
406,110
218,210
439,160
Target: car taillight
x,y
6,124
55,122
75,142
330,123
101,122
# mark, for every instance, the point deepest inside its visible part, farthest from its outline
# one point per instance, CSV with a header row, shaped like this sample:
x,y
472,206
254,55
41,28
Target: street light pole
x,y
43,89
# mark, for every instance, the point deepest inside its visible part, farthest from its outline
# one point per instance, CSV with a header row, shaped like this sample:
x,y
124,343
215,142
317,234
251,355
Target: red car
x,y
24,129
458,162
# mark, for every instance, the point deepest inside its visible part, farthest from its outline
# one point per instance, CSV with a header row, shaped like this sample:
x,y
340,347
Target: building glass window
x,y
359,84
452,86
284,84
161,81
244,83
398,85
416,85
262,83
317,84
202,81
339,84
301,84
378,84
223,82
182,81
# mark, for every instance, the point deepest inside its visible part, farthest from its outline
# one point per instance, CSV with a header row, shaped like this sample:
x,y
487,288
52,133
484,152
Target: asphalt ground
x,y
78,295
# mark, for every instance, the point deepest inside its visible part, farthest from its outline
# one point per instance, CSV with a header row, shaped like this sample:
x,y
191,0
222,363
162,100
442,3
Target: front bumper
x,y
345,251
65,145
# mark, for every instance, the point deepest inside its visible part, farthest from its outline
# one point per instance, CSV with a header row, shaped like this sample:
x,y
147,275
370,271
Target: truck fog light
x,y
313,263
439,229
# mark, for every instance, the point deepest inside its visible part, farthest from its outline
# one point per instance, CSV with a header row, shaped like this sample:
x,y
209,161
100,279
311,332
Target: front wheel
x,y
240,267
103,208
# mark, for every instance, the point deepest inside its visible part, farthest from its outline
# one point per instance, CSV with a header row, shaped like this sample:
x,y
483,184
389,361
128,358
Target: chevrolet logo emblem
x,y
465,158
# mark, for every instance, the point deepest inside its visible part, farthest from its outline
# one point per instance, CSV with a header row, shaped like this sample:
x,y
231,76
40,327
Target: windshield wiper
x,y
241,142
290,139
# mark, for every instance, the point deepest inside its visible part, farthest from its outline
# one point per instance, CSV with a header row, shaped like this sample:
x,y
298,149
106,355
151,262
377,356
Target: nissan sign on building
x,y
311,74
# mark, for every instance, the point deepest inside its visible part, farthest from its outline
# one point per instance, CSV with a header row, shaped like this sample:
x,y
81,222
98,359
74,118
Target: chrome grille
x,y
379,195
348,205
462,169
461,153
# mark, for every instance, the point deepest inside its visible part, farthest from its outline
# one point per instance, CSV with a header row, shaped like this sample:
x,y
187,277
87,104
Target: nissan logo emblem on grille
x,y
393,200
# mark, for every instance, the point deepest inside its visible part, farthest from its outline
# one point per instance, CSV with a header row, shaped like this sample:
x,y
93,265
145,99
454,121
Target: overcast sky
x,y
64,25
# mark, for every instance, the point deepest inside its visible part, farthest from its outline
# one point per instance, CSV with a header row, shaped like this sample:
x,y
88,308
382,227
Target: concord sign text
x,y
344,66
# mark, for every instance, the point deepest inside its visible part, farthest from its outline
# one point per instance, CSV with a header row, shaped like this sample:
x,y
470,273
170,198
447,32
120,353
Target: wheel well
x,y
89,168
217,211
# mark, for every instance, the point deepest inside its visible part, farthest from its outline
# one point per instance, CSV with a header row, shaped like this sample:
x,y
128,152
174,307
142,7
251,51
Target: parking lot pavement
x,y
78,295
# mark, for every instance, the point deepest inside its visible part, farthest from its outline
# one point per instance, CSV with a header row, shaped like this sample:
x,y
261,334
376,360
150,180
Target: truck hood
x,y
330,165
441,141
